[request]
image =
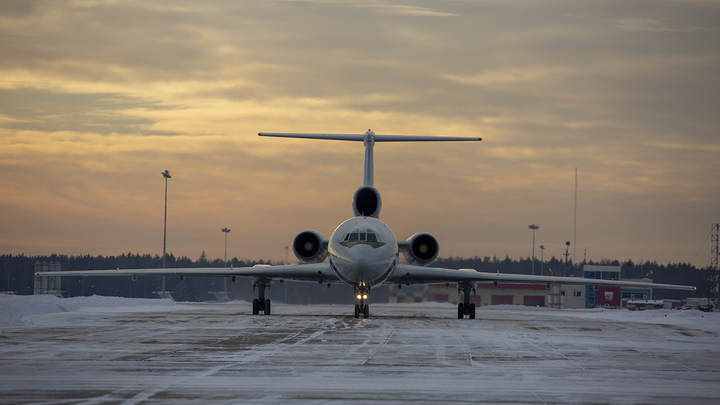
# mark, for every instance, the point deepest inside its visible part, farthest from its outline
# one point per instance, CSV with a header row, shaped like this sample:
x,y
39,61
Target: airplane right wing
x,y
409,274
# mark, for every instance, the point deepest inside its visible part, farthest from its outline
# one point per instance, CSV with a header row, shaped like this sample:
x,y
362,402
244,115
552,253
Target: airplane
x,y
363,252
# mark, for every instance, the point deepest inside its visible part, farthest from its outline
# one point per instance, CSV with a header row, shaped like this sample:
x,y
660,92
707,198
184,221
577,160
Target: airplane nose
x,y
365,265
361,254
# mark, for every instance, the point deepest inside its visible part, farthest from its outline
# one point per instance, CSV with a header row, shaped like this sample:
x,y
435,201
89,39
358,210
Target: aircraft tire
x,y
256,310
461,311
472,311
267,307
366,311
357,311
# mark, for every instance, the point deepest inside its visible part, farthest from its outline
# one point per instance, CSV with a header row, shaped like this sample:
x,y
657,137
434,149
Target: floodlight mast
x,y
165,174
225,231
533,227
567,253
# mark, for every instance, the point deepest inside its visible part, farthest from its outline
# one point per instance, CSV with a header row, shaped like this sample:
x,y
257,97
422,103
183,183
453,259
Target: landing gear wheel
x,y
366,311
267,307
357,311
472,311
256,309
461,311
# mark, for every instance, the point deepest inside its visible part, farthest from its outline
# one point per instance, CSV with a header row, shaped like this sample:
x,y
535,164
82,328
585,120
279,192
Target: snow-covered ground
x,y
105,350
18,310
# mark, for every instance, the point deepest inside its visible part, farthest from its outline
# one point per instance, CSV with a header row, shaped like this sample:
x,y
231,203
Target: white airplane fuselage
x,y
363,252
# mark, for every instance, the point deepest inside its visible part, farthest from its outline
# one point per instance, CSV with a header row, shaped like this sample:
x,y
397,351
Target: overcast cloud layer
x,y
98,97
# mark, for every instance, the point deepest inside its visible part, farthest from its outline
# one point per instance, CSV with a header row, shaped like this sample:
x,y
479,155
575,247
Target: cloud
x,y
31,109
406,10
97,97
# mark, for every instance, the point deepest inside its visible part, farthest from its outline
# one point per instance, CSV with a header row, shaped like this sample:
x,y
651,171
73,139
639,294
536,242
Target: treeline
x,y
17,276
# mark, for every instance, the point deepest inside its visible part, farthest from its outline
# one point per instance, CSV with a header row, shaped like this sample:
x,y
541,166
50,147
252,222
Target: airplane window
x,y
354,237
371,237
362,236
347,236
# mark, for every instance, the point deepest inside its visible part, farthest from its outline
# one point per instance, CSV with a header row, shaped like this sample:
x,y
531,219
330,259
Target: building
x,y
534,295
570,296
611,296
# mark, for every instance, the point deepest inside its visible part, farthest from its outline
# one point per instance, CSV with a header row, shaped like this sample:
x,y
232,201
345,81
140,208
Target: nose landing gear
x,y
362,309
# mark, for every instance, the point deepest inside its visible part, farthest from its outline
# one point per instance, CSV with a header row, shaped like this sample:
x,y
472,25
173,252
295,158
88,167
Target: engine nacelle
x,y
310,247
422,249
367,202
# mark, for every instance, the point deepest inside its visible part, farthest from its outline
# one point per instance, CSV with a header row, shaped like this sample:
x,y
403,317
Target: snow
x,y
17,310
97,350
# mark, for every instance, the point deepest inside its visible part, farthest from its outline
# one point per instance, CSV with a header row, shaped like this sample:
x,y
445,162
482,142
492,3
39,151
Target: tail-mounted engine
x,y
421,249
367,202
310,247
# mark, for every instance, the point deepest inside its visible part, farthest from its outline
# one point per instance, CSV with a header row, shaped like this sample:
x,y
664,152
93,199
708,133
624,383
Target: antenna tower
x,y
715,280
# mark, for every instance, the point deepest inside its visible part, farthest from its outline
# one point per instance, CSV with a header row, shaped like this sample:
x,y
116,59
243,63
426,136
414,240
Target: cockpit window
x,y
352,236
358,236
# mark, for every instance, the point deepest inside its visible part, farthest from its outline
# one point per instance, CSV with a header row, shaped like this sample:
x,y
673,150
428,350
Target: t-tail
x,y
366,200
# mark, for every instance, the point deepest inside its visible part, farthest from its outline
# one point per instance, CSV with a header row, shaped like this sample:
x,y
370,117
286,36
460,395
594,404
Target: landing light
x,y
365,296
359,296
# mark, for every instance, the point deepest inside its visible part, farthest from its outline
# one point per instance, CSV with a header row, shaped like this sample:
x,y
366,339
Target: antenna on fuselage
x,y
366,201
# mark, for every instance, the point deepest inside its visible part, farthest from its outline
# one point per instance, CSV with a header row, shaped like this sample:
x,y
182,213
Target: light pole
x,y
542,258
286,254
533,227
567,253
225,231
165,174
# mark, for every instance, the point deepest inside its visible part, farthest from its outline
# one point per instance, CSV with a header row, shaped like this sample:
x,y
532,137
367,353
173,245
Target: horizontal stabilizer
x,y
376,138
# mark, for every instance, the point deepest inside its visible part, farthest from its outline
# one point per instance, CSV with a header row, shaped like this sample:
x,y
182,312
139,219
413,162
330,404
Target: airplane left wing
x,y
316,272
409,274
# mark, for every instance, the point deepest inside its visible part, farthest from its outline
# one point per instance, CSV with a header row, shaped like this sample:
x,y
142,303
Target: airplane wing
x,y
408,274
317,272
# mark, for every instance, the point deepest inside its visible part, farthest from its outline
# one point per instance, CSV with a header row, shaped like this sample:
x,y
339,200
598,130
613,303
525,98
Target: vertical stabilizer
x,y
369,142
367,201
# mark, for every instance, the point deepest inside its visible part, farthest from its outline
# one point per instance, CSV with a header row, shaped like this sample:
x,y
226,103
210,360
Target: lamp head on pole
x,y
166,174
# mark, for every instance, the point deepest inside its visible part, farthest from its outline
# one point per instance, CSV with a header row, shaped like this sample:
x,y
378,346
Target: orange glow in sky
x,y
98,97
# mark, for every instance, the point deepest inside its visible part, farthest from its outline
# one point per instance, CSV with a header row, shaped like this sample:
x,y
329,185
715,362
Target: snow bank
x,y
707,321
13,308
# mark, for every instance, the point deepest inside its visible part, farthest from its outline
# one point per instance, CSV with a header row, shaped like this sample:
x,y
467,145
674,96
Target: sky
x,y
97,98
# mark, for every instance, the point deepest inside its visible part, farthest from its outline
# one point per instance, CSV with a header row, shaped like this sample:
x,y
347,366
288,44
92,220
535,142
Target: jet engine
x,y
422,249
310,247
367,202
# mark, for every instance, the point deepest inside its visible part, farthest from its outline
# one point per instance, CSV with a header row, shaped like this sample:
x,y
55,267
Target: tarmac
x,y
404,353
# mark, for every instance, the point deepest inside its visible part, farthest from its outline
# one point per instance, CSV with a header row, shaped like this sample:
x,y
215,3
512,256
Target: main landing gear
x,y
465,307
261,304
362,310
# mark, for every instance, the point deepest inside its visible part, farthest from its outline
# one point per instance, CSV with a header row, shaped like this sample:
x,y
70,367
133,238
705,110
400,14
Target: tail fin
x,y
369,138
